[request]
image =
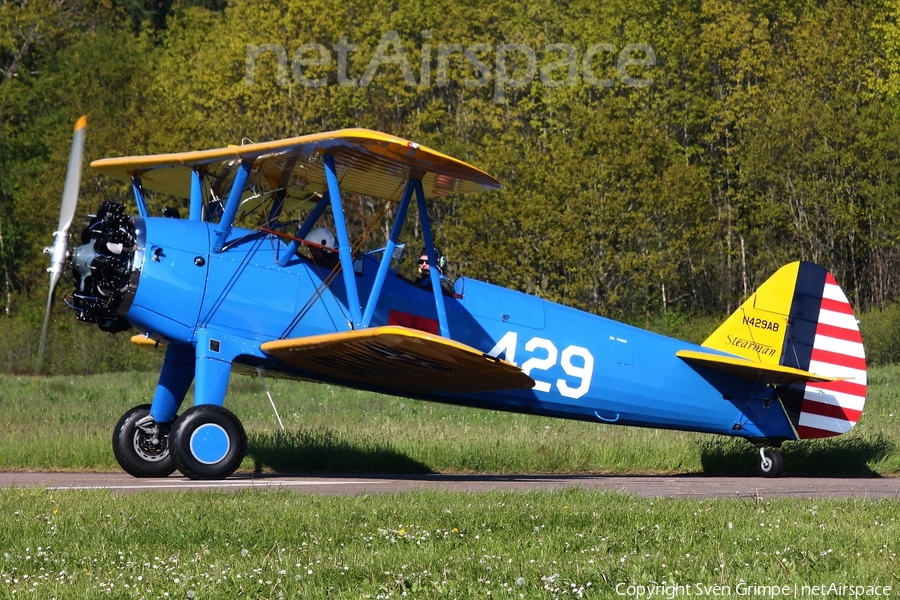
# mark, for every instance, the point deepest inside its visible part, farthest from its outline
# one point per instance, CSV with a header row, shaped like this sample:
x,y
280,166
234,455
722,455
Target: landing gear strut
x,y
770,462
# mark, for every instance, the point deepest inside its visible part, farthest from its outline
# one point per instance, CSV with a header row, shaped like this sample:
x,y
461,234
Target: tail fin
x,y
801,318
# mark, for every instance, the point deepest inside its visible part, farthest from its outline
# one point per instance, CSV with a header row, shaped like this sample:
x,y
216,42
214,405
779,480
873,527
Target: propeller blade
x,y
73,177
61,236
54,279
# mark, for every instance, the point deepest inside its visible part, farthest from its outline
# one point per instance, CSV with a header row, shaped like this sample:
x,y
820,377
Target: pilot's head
x,y
423,261
318,238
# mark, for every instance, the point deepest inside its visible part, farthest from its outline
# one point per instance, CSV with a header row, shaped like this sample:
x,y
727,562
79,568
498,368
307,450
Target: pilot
x,y
324,252
424,278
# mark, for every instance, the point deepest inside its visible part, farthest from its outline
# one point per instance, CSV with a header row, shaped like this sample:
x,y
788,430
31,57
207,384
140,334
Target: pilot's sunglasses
x,y
423,261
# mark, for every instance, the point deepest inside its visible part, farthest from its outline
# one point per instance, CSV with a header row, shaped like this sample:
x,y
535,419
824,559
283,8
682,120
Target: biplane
x,y
226,298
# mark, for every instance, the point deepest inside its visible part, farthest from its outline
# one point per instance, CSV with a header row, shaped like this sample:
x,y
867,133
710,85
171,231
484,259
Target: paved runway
x,y
659,486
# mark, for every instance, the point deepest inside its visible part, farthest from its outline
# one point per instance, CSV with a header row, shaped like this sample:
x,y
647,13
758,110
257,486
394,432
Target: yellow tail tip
x,y
81,123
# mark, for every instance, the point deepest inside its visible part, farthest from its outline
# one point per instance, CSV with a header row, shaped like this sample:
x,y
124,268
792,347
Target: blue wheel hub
x,y
210,443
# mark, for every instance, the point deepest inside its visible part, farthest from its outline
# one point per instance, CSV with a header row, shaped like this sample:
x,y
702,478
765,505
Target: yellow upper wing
x,y
367,162
401,360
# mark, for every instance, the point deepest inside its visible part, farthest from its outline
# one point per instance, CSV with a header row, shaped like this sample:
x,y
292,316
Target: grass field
x,y
572,543
566,544
65,423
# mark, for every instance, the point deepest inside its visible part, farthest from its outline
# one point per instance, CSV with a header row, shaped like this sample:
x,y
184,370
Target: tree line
x,y
655,155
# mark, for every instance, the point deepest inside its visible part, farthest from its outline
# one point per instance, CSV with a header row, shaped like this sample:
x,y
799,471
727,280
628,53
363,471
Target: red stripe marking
x,y
808,433
829,278
849,335
404,319
811,407
845,387
837,306
835,358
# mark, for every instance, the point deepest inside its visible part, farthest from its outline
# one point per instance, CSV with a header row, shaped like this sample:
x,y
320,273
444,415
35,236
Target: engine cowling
x,y
106,267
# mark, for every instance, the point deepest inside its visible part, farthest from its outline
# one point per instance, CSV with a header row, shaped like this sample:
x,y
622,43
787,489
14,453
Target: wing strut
x,y
388,253
344,250
413,185
432,259
139,200
223,230
196,207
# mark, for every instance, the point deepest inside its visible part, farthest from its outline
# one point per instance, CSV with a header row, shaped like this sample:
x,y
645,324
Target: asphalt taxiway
x,y
653,486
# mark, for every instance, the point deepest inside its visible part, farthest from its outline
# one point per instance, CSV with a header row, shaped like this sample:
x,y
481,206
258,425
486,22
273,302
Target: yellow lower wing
x,y
747,369
145,342
404,361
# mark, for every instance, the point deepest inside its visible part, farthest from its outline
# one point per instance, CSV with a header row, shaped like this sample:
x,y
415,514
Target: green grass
x,y
570,543
65,423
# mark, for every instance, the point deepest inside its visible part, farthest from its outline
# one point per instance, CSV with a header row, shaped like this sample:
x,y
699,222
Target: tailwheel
x,y
208,442
141,445
770,462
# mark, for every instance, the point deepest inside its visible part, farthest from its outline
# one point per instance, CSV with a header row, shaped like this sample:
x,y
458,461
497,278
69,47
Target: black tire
x,y
770,462
141,453
207,442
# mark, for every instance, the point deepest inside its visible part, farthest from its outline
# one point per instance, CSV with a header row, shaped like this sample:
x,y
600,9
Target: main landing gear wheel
x,y
770,462
141,445
208,442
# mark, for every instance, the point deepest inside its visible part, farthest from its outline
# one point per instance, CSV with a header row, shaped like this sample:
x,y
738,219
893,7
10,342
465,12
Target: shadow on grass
x,y
830,457
324,451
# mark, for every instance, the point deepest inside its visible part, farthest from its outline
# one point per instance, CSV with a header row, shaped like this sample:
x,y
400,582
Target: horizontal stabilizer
x,y
746,369
404,361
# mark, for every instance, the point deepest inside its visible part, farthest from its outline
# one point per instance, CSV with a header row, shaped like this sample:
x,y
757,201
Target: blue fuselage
x,y
585,367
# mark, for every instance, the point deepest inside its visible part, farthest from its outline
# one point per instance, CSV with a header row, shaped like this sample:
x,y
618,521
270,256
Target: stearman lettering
x,y
751,345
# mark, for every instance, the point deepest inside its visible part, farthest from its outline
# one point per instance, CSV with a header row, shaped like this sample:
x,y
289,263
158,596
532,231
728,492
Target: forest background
x,y
659,159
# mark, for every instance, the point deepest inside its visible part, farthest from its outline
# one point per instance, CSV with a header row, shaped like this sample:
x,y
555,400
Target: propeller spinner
x,y
58,251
